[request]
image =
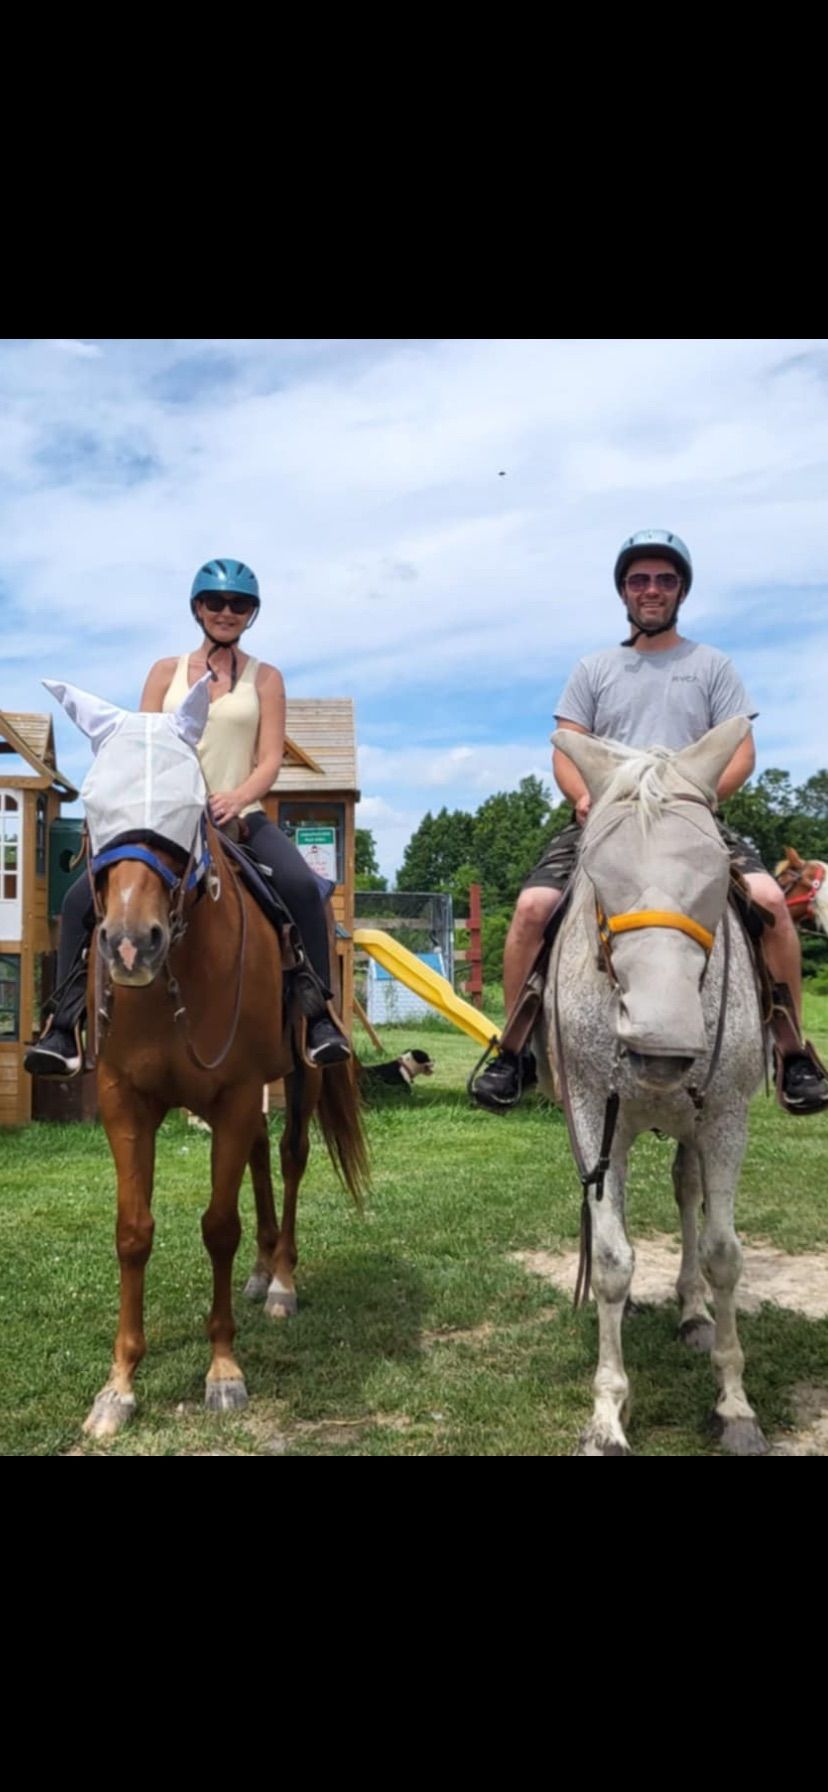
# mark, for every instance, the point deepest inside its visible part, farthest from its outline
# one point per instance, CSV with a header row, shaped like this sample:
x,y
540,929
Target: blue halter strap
x,y
144,854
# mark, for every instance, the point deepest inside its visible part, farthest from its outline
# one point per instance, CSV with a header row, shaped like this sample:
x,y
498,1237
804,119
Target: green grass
x,y
417,1333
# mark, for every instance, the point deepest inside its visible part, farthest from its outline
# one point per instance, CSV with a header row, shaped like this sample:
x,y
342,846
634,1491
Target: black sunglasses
x,y
238,605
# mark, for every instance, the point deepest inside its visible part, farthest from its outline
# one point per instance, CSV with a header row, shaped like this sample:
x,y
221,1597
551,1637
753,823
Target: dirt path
x,y
798,1282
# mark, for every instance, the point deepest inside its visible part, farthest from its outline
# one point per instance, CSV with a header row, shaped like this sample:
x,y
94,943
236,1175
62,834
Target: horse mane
x,y
648,777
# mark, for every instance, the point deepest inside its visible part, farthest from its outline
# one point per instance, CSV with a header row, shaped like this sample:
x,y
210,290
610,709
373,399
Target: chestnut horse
x,y
185,991
805,883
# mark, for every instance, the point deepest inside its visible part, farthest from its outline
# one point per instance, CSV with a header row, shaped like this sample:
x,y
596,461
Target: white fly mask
x,y
649,852
679,868
145,777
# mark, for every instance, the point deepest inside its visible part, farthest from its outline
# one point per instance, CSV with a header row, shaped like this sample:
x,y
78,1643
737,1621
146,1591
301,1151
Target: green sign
x,y
318,849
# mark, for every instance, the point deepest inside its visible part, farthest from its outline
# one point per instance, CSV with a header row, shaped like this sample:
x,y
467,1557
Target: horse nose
x,y
660,1072
133,951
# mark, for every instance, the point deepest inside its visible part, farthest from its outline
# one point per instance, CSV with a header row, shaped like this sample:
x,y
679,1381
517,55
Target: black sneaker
x,y
804,1088
326,1044
500,1085
56,1054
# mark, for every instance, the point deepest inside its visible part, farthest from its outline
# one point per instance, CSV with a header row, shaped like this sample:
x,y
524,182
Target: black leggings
x,y
298,886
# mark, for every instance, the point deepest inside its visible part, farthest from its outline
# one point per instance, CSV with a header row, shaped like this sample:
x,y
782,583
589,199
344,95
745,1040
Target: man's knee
x,y
534,908
765,890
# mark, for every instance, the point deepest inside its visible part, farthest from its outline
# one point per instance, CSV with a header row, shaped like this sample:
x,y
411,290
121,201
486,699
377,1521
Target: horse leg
x,y
267,1230
236,1120
612,1266
695,1322
733,1420
293,1153
131,1121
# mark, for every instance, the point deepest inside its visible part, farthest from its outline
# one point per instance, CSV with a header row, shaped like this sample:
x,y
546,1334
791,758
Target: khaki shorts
x,y
555,869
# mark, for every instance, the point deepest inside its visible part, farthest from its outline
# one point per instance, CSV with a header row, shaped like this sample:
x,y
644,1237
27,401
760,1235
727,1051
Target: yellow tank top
x,y
227,748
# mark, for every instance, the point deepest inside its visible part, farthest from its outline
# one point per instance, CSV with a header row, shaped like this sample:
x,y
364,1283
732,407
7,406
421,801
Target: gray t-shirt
x,y
666,699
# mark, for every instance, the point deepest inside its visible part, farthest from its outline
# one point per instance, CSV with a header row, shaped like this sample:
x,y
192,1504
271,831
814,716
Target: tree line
x,y
497,845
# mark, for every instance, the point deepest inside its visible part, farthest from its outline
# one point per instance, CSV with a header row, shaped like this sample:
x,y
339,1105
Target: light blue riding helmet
x,y
654,541
231,577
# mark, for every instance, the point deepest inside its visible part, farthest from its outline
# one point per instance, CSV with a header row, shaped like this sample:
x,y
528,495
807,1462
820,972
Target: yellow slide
x,y
425,982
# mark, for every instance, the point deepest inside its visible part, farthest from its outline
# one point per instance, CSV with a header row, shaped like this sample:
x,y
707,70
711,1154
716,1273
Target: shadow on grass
x,y
353,1314
673,1389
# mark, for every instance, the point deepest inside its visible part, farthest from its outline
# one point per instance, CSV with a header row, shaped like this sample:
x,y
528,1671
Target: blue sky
x,y
362,481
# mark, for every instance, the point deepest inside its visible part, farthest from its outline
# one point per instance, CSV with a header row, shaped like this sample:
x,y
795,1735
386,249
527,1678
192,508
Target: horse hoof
x,y
111,1411
281,1303
697,1334
256,1286
225,1396
739,1437
590,1445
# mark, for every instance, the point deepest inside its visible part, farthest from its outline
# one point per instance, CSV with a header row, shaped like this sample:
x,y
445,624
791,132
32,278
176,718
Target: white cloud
x,y
332,466
85,351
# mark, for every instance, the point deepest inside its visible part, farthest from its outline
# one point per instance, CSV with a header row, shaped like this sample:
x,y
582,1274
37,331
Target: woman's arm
x,y
159,679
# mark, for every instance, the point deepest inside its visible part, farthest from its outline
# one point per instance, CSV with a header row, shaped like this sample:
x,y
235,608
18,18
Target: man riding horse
x,y
657,687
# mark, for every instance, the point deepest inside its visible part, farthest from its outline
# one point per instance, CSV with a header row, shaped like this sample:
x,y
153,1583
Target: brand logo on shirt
x,y
685,678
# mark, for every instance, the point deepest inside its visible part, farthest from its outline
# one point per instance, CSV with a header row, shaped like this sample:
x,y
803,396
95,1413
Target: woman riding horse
x,y
196,1004
241,752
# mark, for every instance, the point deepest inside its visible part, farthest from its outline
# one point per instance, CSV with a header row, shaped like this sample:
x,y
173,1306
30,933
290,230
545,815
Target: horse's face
x,y
659,871
805,883
678,872
145,785
134,933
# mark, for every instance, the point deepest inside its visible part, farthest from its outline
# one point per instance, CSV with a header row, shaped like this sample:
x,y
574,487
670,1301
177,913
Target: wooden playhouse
x,y
314,799
34,843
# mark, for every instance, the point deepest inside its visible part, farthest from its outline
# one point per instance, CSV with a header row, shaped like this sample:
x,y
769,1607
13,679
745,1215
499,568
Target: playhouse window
x,y
9,846
9,996
40,837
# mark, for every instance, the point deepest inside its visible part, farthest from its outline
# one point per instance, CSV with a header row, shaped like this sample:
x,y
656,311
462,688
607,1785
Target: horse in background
x,y
805,883
186,993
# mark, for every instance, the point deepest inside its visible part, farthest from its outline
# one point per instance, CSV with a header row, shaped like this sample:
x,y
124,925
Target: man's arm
x,y
568,778
728,697
738,769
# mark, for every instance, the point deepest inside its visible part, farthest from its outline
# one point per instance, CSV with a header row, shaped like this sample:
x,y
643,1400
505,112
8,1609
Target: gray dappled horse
x,y
651,1020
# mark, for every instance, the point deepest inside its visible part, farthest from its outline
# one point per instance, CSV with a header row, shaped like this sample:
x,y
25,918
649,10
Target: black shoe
x,y
501,1084
56,1054
326,1044
804,1088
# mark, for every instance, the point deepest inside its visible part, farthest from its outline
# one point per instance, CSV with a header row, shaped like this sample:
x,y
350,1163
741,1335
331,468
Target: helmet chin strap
x,y
230,646
234,664
641,628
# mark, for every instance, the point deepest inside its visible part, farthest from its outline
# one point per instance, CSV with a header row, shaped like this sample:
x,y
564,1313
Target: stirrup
x,y
789,1103
41,1060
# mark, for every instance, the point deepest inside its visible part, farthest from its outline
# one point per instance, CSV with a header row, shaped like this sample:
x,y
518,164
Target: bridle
x,y
609,926
813,877
200,874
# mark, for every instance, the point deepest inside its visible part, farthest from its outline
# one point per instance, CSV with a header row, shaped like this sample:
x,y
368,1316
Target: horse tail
x,y
339,1113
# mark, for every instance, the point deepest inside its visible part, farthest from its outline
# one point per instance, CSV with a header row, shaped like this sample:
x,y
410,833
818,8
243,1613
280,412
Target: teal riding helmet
x,y
230,577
